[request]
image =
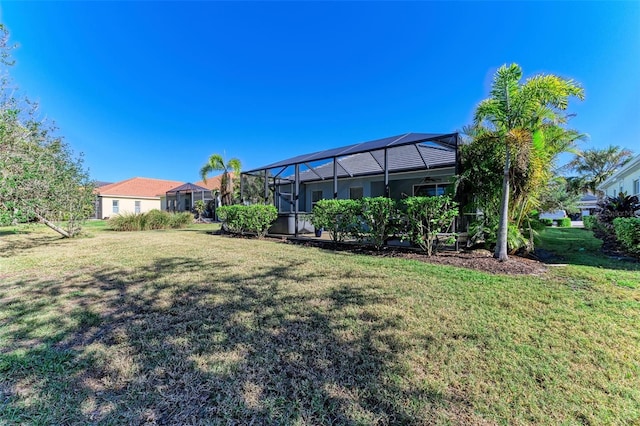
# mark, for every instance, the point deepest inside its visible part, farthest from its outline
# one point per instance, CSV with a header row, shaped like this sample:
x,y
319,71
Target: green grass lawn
x,y
184,327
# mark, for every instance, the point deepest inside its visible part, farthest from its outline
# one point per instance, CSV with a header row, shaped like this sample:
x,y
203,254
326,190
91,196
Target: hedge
x,y
241,219
628,233
340,218
380,219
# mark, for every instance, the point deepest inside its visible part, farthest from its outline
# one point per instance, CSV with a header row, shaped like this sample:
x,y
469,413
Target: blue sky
x,y
153,88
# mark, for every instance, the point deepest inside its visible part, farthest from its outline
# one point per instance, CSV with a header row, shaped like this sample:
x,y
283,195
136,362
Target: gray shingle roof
x,y
187,187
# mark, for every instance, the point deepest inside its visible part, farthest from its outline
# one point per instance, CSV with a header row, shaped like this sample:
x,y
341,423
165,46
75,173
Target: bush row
x,y
564,222
628,233
153,219
375,220
241,219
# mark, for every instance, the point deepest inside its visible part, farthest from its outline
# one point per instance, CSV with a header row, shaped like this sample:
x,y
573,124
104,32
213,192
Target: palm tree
x,y
216,163
597,165
517,114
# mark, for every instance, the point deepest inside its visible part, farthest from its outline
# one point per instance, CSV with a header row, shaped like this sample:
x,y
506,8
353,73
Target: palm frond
x,y
235,165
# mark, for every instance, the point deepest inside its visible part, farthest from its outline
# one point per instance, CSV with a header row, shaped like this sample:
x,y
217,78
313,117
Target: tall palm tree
x,y
597,165
517,113
216,163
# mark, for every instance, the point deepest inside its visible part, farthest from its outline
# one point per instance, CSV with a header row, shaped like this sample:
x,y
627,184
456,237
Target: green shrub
x,y
180,220
256,218
628,233
547,222
156,219
127,222
259,217
380,216
427,217
565,222
231,218
340,218
590,222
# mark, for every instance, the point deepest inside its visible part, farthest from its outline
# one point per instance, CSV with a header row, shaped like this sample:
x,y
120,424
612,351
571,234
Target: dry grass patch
x,y
185,327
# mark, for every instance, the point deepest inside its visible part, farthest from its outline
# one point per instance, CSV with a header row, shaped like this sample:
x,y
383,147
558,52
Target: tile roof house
x,y
135,195
139,195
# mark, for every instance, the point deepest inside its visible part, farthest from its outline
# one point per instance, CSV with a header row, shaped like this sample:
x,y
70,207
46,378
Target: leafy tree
x,y
216,163
594,166
557,195
253,190
525,119
40,179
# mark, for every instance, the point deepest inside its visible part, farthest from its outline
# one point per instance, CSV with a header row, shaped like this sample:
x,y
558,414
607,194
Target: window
x,y
114,206
315,197
636,187
137,207
187,204
356,192
430,190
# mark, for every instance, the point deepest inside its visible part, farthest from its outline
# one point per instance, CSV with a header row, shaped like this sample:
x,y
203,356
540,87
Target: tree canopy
x,y
518,129
216,163
40,178
594,166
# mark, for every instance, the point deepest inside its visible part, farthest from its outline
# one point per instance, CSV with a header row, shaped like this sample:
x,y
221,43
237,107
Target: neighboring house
x,y
183,197
135,195
554,215
396,167
626,180
588,205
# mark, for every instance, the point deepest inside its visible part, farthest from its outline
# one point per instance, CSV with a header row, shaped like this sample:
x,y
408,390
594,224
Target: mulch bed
x,y
478,259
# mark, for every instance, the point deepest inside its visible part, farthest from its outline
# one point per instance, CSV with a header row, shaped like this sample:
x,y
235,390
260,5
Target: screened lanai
x,y
395,167
184,197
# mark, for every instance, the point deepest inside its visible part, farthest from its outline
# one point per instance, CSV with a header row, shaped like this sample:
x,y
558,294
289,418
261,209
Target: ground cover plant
x,y
185,327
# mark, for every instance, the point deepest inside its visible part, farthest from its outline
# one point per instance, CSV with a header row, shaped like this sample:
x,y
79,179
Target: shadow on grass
x,y
10,247
236,349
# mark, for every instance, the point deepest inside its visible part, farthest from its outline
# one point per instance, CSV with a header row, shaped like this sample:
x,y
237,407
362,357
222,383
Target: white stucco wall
x,y
127,204
623,180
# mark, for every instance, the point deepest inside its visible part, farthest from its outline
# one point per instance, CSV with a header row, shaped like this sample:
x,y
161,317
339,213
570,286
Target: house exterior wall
x,y
126,204
626,180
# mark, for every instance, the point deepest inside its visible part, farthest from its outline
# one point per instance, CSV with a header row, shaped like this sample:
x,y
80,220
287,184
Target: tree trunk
x,y
53,226
501,252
